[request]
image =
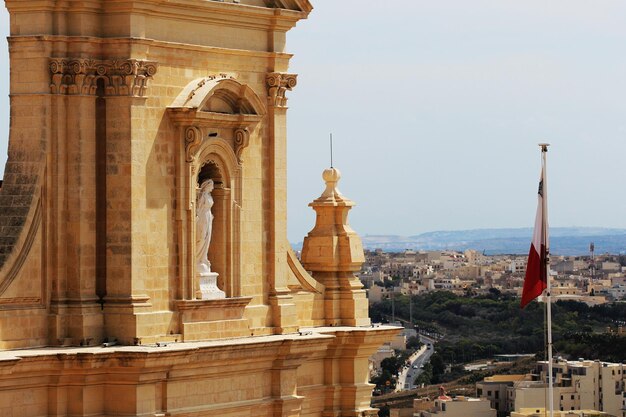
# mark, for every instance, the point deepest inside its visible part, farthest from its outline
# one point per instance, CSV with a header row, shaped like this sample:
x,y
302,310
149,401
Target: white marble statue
x,y
204,226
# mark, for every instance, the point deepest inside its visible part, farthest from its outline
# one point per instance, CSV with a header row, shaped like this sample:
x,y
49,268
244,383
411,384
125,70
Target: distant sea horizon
x,y
566,241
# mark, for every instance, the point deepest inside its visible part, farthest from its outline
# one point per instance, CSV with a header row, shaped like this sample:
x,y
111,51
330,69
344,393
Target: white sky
x,y
436,108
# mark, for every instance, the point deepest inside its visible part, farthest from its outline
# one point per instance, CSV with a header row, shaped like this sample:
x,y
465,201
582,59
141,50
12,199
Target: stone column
x,y
125,83
79,317
219,253
287,403
95,106
281,300
347,372
84,313
127,243
333,252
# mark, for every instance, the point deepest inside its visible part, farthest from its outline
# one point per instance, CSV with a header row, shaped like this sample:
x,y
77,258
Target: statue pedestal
x,y
208,286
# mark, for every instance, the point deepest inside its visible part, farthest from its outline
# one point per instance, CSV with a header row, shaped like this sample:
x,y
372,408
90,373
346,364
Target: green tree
x,y
413,343
481,326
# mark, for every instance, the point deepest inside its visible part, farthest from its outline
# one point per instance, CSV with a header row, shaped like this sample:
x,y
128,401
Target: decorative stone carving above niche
x,y
79,76
215,107
199,86
278,84
241,140
194,138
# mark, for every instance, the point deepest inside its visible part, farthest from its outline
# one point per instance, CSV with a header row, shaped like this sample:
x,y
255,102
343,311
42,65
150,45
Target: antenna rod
x,y
331,150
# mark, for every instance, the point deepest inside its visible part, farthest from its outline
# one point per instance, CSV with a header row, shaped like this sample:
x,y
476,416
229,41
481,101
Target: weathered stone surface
x,y
118,110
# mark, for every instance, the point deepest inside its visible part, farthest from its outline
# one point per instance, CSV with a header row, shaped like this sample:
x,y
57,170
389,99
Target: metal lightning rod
x,y
331,150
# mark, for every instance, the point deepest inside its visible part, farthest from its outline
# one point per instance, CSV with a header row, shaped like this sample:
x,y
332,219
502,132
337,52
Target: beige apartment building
x,y
495,390
132,120
457,407
579,385
541,412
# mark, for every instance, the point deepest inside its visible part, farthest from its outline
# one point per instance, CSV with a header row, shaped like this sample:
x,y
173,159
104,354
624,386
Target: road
x,y
417,359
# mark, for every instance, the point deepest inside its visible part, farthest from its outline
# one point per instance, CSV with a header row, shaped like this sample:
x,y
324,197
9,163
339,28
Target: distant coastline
x,y
568,241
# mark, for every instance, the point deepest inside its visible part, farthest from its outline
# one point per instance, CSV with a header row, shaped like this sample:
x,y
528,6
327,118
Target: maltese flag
x,y
536,279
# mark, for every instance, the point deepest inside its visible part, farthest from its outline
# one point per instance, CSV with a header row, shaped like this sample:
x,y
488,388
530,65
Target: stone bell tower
x,y
120,111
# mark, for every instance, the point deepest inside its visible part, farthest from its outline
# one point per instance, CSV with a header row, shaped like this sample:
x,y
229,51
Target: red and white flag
x,y
536,279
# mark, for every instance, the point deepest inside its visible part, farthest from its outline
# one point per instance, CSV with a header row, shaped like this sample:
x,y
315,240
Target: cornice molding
x,y
79,76
147,43
83,6
299,5
211,12
278,84
275,18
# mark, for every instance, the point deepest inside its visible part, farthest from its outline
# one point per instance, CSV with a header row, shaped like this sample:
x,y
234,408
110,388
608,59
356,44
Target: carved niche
x,y
215,116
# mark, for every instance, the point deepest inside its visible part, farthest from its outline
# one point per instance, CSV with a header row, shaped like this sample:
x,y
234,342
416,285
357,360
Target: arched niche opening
x,y
215,117
210,171
220,246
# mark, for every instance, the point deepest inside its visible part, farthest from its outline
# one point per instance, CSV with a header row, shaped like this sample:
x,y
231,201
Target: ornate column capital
x,y
278,83
79,76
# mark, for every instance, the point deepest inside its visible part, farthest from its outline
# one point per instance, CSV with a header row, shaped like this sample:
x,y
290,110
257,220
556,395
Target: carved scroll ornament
x,y
241,141
278,84
128,77
193,140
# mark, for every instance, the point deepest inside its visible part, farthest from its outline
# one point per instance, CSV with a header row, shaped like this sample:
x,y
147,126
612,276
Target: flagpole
x,y
544,225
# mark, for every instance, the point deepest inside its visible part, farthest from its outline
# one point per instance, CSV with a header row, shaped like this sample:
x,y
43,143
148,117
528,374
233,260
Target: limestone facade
x,y
119,108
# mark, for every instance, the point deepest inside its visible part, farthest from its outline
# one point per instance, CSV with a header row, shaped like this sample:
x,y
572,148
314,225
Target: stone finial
x,y
331,177
331,194
332,245
333,252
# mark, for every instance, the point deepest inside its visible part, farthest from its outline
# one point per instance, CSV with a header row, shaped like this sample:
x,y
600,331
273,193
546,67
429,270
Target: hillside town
x,y
583,386
591,280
